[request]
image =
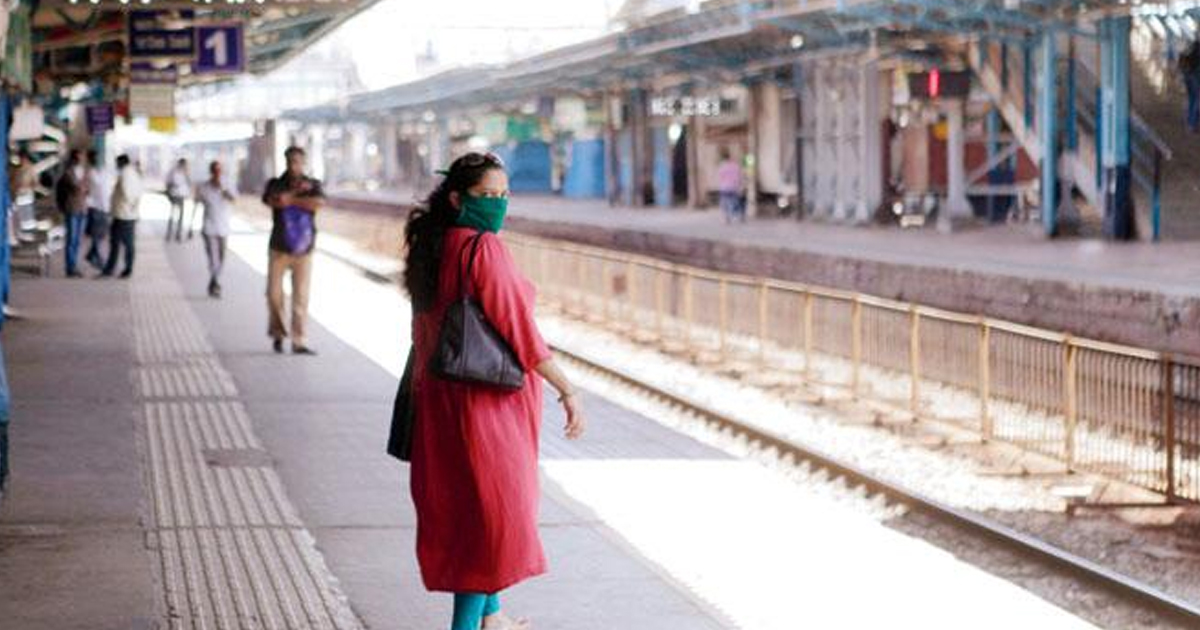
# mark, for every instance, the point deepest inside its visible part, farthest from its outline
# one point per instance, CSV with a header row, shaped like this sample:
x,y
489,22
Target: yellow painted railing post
x,y
723,308
855,344
544,270
808,336
985,381
1070,402
1168,407
606,289
659,301
763,303
581,284
630,312
914,360
688,306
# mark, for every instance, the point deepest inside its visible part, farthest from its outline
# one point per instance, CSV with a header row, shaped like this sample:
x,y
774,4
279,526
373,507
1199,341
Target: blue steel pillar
x,y
1048,131
1027,79
5,258
1114,79
1072,113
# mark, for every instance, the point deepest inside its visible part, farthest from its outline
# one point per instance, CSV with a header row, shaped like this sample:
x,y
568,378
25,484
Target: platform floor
x,y
169,468
1170,267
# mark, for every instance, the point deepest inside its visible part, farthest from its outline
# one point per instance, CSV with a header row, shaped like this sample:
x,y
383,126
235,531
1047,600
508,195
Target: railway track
x,y
1078,568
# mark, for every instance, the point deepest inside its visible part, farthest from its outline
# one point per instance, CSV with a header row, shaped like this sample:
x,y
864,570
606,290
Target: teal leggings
x,y
471,608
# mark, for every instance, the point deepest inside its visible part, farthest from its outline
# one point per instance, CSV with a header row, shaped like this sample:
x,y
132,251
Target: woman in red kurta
x,y
474,474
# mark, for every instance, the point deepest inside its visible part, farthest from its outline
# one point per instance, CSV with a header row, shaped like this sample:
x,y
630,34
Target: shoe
x,y
74,274
125,274
304,350
277,346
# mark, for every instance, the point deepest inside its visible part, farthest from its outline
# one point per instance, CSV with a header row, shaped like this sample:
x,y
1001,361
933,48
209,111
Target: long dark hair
x,y
428,223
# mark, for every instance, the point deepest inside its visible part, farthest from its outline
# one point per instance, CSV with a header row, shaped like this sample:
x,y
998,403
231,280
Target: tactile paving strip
x,y
234,552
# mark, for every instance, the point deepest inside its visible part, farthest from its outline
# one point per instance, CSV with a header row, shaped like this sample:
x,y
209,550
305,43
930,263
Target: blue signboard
x,y
150,35
100,118
219,49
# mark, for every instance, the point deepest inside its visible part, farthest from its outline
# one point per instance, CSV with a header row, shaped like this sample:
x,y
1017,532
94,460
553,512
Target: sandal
x,y
508,623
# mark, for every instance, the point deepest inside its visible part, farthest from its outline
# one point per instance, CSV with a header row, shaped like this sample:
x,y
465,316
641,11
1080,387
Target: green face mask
x,y
483,213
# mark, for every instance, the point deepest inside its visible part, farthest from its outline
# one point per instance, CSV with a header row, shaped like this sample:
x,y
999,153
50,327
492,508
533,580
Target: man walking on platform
x,y
98,196
294,199
179,188
70,193
216,198
126,196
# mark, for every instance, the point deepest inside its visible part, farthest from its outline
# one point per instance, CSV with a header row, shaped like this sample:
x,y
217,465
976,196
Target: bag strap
x,y
464,287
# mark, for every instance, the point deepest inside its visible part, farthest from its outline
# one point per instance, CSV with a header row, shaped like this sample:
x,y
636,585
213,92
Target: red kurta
x,y
474,474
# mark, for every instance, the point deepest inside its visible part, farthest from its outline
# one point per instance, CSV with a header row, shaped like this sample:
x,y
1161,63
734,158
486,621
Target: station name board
x,y
689,106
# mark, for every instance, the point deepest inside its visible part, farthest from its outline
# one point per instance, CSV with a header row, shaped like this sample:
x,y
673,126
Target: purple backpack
x,y
298,229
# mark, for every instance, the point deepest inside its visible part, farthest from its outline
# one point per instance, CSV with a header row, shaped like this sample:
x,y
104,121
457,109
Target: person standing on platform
x,y
294,199
179,188
71,195
216,199
98,197
730,182
474,457
126,196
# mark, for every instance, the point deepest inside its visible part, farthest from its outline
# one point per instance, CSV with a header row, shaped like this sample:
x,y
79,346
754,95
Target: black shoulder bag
x,y
469,349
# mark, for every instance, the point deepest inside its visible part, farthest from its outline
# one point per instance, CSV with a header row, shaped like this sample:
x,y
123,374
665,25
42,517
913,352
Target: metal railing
x,y
1127,413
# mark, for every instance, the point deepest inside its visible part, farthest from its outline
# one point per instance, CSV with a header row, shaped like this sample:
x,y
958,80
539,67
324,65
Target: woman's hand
x,y
576,424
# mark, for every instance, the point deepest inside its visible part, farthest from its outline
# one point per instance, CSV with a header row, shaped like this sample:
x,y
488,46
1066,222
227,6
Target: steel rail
x,y
1160,602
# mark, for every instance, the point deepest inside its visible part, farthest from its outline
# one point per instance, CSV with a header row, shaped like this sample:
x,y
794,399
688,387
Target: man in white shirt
x,y
99,193
179,188
216,198
126,196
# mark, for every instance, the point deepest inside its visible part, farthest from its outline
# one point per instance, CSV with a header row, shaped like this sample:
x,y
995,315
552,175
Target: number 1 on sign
x,y
218,43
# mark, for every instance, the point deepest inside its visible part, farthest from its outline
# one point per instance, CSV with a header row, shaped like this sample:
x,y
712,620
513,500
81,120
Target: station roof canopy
x,y
730,39
80,40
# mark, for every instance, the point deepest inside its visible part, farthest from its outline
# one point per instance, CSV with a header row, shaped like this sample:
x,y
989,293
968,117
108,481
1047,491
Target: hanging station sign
x,y
220,49
162,34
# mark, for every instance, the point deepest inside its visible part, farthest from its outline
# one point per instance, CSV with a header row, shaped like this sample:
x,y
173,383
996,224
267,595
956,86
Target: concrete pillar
x,y
440,145
643,155
958,209
870,143
695,183
316,161
844,149
611,185
1048,131
822,130
798,88
753,98
391,157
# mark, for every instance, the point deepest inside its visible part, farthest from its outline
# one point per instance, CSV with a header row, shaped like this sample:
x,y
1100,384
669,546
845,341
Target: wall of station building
x,y
844,145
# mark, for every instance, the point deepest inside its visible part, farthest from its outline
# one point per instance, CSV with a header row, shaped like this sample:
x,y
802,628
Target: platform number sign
x,y
219,49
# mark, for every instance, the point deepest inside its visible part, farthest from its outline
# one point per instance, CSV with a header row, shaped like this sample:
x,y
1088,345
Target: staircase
x,y
1079,165
1159,96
